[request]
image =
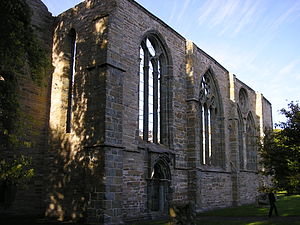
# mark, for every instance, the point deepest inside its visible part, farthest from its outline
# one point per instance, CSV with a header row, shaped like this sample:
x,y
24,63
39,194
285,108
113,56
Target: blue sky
x,y
257,40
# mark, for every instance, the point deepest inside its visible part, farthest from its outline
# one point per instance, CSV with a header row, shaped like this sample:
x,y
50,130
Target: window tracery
x,y
243,100
251,143
209,121
153,91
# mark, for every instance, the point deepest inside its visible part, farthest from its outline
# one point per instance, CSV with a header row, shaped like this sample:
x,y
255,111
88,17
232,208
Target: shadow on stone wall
x,y
75,174
76,156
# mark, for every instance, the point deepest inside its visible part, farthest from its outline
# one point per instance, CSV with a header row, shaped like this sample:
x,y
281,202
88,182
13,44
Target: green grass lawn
x,y
286,205
288,209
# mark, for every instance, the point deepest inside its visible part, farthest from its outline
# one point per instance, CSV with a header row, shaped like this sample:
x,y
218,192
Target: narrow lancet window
x,y
72,64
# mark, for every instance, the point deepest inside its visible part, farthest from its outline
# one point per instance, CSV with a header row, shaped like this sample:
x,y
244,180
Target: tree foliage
x,y
20,54
280,151
19,46
17,171
13,173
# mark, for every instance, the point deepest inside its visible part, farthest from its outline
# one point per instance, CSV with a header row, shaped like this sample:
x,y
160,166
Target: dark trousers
x,y
273,206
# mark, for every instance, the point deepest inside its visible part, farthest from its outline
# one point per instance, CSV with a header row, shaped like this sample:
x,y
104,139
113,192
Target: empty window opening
x,y
72,63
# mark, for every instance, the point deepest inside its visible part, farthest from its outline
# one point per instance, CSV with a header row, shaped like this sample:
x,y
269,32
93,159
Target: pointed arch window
x,y
210,122
251,148
159,184
243,100
153,91
243,109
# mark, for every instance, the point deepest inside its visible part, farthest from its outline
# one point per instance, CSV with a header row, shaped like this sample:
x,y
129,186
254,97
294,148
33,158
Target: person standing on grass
x,y
272,201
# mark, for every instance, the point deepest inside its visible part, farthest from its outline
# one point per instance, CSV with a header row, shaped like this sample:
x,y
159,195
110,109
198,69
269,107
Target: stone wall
x,y
98,169
85,154
267,114
105,113
249,182
216,190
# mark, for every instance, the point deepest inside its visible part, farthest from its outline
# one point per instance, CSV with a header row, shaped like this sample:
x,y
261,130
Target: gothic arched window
x,y
210,121
251,149
243,100
159,185
153,91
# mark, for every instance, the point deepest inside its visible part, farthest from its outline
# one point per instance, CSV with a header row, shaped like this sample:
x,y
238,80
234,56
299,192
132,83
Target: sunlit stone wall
x,y
104,145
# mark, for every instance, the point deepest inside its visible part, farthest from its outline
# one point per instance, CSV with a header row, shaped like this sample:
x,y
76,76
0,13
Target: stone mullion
x,y
155,101
146,95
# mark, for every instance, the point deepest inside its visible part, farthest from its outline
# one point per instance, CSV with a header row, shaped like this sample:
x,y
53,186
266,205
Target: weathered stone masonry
x,y
101,166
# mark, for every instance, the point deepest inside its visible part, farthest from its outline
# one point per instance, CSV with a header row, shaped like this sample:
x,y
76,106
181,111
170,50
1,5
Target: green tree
x,y
280,151
21,56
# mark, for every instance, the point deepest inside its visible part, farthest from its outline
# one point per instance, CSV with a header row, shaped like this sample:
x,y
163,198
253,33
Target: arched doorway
x,y
159,188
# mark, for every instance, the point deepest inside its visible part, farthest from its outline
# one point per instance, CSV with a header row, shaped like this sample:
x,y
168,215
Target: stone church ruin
x,y
134,118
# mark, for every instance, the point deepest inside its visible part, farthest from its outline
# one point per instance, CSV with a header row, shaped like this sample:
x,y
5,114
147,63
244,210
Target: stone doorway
x,y
159,186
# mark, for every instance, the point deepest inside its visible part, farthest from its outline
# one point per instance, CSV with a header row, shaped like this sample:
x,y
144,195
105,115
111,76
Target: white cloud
x,y
226,12
288,15
173,12
208,8
184,8
231,15
248,15
290,66
297,76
